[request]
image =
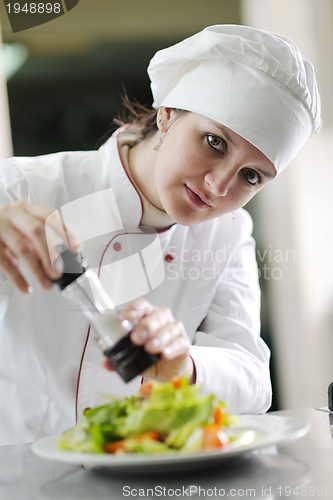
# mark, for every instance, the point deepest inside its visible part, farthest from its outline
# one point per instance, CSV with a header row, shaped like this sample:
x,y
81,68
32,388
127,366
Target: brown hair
x,y
136,113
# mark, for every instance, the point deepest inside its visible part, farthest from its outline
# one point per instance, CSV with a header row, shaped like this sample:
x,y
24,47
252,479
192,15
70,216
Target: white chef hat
x,y
252,81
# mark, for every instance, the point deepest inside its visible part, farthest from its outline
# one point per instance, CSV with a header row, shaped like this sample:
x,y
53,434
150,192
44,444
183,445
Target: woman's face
x,y
203,170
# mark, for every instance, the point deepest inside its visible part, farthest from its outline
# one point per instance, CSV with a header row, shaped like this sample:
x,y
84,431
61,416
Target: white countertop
x,y
302,469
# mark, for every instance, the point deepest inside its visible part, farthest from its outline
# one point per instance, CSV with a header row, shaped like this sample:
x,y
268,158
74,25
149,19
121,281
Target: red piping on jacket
x,y
79,374
99,272
129,178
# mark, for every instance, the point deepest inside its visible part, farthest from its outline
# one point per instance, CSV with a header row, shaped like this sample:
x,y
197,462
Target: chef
x,y
232,106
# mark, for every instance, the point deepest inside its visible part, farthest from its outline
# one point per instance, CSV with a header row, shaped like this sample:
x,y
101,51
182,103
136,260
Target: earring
x,y
157,147
233,215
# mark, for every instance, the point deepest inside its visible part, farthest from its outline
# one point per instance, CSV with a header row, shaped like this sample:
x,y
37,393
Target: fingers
x,y
171,345
160,333
38,211
137,309
179,347
107,365
32,248
10,269
58,229
157,330
22,236
20,249
150,324
49,216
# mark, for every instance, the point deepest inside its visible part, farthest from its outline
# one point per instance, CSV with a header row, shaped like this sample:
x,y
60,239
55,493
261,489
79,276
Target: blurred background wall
x,y
295,213
67,92
6,149
64,81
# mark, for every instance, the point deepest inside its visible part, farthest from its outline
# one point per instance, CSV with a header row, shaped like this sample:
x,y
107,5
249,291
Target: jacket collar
x,y
114,175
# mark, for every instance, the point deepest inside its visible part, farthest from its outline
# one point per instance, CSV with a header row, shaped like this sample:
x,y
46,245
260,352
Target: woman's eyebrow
x,y
226,133
265,173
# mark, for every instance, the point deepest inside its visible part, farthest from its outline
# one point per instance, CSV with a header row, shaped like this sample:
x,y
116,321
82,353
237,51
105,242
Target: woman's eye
x,y
216,143
251,176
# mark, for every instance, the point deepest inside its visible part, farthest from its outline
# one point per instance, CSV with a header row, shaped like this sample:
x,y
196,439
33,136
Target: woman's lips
x,y
196,199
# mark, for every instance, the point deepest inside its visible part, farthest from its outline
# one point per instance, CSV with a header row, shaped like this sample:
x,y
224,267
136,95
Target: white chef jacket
x,y
51,367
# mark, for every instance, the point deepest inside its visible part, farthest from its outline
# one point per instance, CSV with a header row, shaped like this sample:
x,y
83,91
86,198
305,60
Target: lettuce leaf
x,y
176,411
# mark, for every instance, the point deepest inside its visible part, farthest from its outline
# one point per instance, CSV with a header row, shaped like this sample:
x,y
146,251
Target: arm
x,y
158,332
230,357
22,230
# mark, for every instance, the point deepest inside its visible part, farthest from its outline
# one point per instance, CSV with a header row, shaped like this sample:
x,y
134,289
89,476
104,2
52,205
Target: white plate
x,y
262,431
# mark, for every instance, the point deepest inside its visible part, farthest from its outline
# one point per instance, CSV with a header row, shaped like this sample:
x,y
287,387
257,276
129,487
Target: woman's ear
x,y
163,118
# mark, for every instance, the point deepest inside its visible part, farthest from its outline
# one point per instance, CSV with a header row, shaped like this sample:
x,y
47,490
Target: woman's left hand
x,y
158,332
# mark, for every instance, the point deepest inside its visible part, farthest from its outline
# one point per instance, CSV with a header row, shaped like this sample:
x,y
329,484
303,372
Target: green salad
x,y
165,417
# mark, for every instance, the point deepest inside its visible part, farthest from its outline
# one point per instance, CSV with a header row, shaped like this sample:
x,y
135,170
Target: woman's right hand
x,y
23,236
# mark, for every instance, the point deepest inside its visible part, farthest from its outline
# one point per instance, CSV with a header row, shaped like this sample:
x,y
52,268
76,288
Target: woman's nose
x,y
218,184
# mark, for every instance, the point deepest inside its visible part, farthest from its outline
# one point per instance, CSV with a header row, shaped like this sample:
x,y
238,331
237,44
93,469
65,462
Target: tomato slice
x,y
120,445
176,382
146,388
219,416
148,435
213,437
115,446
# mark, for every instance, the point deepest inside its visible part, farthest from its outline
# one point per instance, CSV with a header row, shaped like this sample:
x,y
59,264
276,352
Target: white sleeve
x,y
230,358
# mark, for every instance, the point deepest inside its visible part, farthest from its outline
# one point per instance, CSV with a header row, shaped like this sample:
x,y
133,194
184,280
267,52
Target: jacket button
x,y
117,247
168,257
